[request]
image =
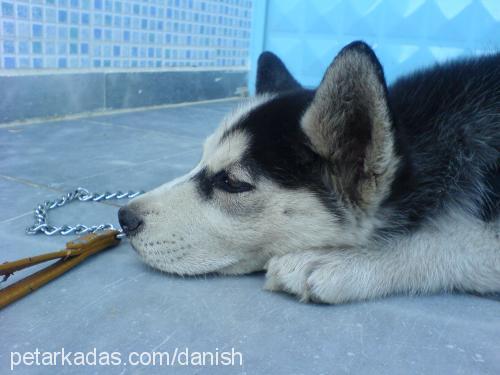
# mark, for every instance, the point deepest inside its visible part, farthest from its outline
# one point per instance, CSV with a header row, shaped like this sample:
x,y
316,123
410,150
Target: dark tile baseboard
x,y
24,97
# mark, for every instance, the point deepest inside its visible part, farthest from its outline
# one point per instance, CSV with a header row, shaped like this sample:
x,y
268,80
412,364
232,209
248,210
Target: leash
x,y
83,195
97,238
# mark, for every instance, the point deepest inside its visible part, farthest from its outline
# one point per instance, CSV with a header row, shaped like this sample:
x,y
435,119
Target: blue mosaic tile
x,y
24,47
73,33
50,48
36,14
106,51
97,34
85,34
9,28
62,32
173,33
37,63
37,30
9,62
62,48
7,9
62,63
9,47
24,62
22,11
50,32
62,16
108,5
37,47
85,18
23,30
50,15
74,18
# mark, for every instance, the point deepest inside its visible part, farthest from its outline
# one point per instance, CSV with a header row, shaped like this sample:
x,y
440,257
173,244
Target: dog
x,y
349,192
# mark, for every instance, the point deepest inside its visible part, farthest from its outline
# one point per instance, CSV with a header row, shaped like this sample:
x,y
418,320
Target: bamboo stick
x,y
8,268
84,246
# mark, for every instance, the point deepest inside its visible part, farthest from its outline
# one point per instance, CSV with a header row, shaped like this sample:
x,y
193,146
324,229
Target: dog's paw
x,y
290,273
330,283
316,277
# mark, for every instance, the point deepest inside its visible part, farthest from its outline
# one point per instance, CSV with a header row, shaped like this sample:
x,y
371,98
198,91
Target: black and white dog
x,y
348,192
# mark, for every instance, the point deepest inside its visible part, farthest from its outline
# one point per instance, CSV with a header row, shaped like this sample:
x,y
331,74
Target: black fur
x,y
204,184
273,76
446,122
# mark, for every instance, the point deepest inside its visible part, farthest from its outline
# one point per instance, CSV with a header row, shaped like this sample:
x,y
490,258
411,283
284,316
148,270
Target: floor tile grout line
x,y
155,132
46,187
128,127
29,183
41,186
92,119
135,165
85,115
16,217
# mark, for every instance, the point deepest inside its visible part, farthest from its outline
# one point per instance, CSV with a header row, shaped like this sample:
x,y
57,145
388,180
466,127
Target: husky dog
x,y
348,192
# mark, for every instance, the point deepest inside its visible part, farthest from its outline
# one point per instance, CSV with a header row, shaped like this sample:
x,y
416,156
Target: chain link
x,y
40,214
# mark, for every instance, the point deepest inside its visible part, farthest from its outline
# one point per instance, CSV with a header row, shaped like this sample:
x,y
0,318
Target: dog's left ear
x,y
349,125
273,76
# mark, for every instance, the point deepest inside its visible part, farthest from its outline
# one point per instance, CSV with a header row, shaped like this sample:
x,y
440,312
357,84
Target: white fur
x,y
228,152
241,111
456,252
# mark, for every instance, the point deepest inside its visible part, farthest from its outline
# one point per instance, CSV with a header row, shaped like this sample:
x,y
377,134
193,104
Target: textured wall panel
x,y
406,34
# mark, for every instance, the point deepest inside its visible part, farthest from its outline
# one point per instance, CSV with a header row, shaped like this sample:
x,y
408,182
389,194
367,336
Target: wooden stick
x,y
8,268
86,246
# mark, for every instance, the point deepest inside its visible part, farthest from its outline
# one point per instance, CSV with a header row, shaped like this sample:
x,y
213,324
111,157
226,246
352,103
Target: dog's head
x,y
291,169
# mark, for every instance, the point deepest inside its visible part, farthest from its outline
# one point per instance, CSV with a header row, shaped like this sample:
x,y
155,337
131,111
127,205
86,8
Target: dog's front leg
x,y
347,275
458,256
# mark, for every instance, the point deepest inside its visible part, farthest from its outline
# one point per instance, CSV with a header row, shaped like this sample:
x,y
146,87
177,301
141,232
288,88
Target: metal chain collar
x,y
83,195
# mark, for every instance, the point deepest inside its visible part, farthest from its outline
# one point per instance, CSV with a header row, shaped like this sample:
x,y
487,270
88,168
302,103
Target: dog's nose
x,y
129,220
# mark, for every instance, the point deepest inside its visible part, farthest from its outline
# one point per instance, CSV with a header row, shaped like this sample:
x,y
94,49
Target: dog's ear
x,y
349,124
273,76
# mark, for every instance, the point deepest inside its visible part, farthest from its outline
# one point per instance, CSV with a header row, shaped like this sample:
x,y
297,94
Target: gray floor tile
x,y
144,176
18,198
55,152
114,302
196,121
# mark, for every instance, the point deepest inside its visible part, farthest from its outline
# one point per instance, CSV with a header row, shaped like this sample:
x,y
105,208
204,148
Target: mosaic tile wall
x,y
406,34
38,34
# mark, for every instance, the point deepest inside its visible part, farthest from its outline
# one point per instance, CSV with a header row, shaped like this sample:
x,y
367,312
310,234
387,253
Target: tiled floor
x,y
114,303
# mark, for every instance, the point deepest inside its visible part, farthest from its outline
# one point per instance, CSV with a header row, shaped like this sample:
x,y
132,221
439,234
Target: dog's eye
x,y
224,182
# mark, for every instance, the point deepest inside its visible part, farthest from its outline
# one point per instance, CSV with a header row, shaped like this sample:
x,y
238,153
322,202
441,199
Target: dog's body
x,y
348,192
